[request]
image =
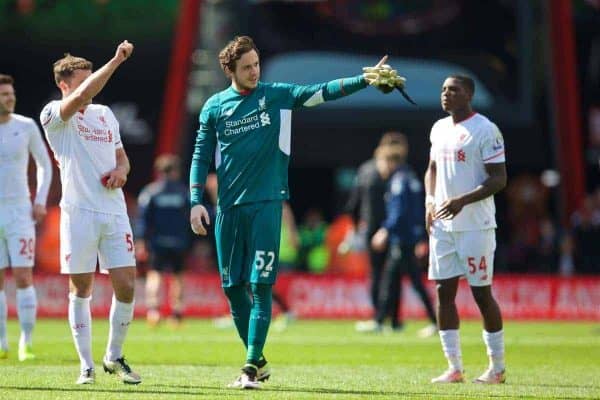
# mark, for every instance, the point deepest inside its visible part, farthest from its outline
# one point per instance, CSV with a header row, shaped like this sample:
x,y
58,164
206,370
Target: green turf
x,y
311,359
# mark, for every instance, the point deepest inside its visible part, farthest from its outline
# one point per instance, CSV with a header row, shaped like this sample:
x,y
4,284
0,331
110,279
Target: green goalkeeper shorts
x,y
247,238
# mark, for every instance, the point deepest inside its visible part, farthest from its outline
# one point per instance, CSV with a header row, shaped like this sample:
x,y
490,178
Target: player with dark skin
x,y
456,101
456,97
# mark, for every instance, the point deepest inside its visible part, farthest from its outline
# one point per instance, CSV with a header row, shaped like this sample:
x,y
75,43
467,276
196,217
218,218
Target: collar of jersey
x,y
245,92
468,117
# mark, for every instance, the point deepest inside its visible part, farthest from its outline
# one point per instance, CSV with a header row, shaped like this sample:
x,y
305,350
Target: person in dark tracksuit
x,y
163,232
367,207
402,234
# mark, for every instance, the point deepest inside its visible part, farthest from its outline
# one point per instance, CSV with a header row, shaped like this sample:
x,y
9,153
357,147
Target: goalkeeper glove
x,y
386,79
383,77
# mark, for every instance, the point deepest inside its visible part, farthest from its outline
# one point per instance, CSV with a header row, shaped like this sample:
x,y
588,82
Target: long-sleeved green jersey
x,y
249,135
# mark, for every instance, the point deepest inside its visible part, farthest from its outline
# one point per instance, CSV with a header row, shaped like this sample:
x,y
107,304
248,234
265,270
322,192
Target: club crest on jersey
x,y
265,119
262,103
461,156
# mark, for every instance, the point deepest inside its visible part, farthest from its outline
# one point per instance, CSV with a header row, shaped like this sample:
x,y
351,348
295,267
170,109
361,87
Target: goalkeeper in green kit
x,y
247,127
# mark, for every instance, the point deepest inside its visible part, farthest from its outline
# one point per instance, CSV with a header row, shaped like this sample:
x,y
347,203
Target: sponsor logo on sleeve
x,y
498,144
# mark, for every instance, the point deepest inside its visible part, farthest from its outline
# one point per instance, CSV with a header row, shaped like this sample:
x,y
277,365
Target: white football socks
x,y
121,315
451,346
26,310
3,317
80,320
494,341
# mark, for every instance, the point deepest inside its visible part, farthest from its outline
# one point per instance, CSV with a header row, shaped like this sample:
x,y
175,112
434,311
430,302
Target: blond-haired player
x,y
466,168
94,225
19,137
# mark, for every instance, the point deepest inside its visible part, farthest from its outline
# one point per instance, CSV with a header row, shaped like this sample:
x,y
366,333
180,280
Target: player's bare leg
x,y
121,315
448,323
26,310
3,319
493,335
153,282
80,321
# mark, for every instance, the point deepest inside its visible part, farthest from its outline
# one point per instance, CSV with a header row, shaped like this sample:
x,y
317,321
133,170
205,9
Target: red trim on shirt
x,y
47,120
494,156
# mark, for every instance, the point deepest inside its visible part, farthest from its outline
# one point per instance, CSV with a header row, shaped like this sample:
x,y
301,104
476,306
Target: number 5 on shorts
x,y
129,241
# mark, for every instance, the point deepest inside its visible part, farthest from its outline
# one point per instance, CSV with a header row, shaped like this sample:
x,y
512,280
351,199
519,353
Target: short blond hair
x,y
64,68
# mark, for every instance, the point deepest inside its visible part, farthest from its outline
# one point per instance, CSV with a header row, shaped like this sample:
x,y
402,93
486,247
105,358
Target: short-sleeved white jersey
x,y
84,147
460,151
19,137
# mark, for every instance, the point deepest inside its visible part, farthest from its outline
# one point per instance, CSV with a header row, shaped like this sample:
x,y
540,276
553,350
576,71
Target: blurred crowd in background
x,y
531,238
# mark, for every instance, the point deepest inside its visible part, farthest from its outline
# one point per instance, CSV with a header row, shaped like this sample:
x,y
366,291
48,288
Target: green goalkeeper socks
x,y
240,305
260,318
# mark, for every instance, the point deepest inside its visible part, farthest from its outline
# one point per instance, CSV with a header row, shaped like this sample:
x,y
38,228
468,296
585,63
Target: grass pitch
x,y
311,359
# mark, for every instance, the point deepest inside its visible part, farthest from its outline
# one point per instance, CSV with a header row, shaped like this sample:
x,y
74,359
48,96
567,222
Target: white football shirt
x,y
84,147
460,152
19,137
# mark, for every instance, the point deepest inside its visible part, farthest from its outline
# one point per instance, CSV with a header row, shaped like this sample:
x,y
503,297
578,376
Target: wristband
x,y
429,199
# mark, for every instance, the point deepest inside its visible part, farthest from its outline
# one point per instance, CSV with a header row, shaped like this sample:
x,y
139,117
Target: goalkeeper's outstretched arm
x,y
313,95
381,76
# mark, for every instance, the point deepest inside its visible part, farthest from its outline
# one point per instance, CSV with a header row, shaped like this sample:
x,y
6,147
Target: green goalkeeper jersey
x,y
249,135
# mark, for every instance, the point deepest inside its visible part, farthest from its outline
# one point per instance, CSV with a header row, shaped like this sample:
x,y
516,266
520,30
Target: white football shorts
x,y
17,236
469,254
87,237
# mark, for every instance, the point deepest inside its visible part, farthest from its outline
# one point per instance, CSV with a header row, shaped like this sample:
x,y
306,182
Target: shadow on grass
x,y
375,393
93,389
198,390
